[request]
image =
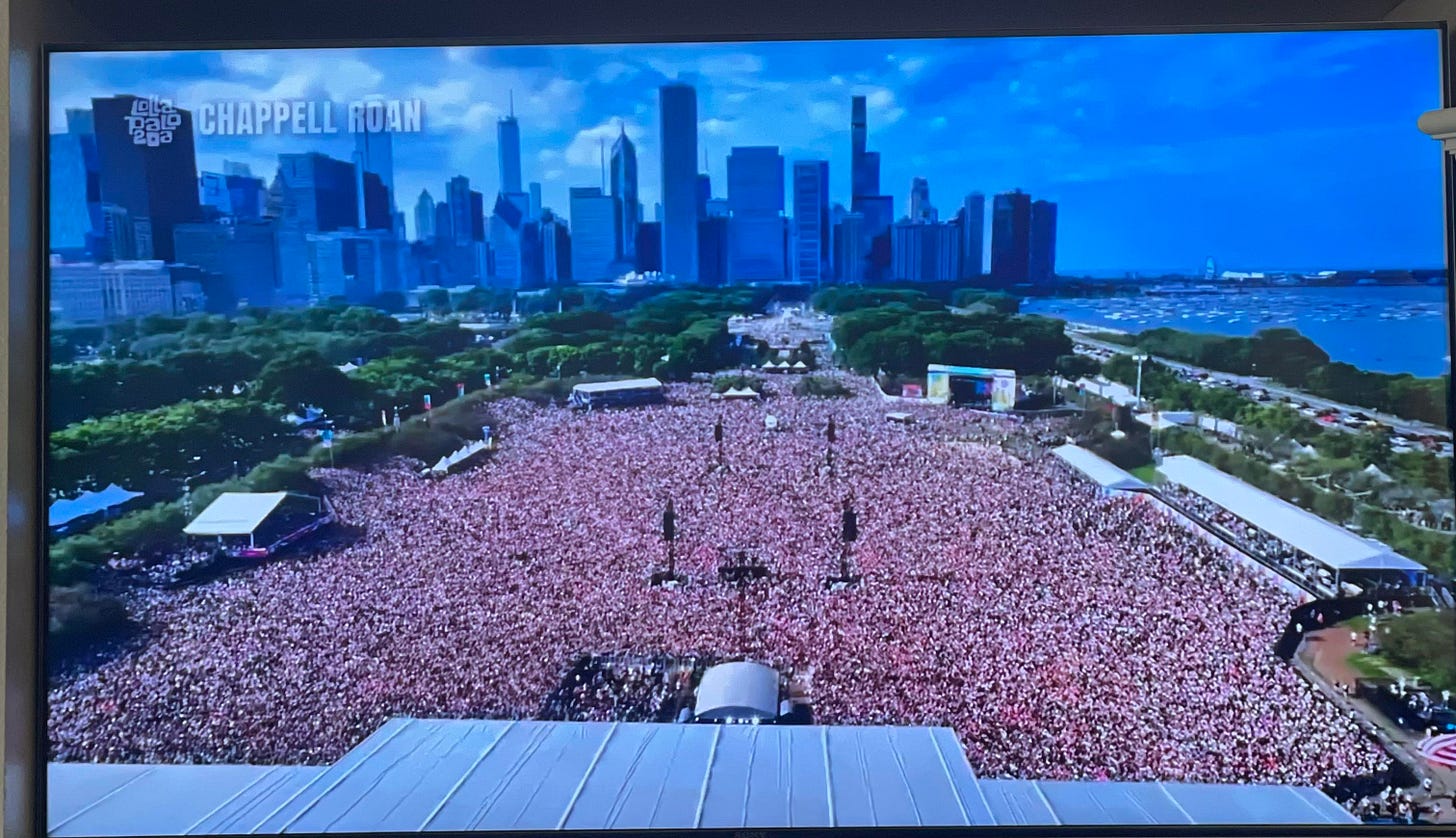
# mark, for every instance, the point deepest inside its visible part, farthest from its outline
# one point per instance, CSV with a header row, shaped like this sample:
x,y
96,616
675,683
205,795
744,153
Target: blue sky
x,y
1268,150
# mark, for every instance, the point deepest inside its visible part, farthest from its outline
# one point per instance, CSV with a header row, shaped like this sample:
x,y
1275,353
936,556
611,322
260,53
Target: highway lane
x,y
1403,426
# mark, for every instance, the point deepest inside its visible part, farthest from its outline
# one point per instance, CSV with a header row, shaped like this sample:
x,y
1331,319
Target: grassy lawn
x,y
1147,474
1369,666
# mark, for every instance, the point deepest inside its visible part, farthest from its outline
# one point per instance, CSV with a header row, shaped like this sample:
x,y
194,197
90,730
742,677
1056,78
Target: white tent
x,y
1374,472
1106,475
347,368
235,513
1329,544
740,393
63,512
737,690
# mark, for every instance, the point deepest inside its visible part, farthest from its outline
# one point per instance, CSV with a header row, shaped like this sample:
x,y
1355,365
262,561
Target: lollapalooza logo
x,y
152,121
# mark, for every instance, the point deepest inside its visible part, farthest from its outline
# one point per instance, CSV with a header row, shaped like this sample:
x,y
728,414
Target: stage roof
x,y
235,513
416,775
1330,544
613,386
1096,469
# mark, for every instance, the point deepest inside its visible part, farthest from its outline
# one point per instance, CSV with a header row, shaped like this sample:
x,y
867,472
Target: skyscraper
x,y
679,118
70,220
241,257
593,234
1010,238
864,168
461,226
477,216
444,218
973,235
156,185
811,221
506,223
424,216
311,193
508,132
534,210
850,255
624,192
1042,259
756,203
926,251
375,150
920,207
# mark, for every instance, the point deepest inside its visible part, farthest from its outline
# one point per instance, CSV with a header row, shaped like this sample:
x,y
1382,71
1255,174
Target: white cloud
x,y
586,148
881,102
911,66
939,122
614,70
828,114
716,127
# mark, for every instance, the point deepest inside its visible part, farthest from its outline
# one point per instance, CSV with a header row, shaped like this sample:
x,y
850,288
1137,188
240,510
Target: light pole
x,y
1140,358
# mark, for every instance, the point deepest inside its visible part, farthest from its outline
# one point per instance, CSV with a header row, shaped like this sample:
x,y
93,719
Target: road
x,y
1402,426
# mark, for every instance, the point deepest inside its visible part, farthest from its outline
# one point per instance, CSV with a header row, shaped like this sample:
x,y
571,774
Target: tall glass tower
x,y
678,103
508,132
624,191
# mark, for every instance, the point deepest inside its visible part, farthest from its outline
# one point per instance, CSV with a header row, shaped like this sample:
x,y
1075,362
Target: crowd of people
x,y
1061,634
1273,550
604,689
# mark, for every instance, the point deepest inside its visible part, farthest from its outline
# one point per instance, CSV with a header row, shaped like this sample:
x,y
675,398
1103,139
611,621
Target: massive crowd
x,y
1061,634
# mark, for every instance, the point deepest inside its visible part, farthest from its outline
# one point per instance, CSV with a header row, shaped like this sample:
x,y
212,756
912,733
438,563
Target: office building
x,y
717,208
704,194
311,193
679,150
1042,257
508,133
1010,238
70,217
850,253
188,289
377,212
247,196
534,190
878,213
424,216
462,224
355,265
555,250
864,165
477,216
88,294
374,151
713,250
506,223
241,258
594,234
213,195
926,251
972,219
756,230
920,206
624,192
649,247
444,233
156,184
811,221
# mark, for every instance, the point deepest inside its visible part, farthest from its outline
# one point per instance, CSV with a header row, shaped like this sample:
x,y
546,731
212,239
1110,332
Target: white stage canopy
x,y
1329,544
235,513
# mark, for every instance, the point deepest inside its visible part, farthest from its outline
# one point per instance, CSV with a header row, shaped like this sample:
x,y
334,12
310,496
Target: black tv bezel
x,y
34,365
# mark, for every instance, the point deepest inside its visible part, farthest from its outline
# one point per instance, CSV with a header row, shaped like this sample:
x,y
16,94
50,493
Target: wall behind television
x,y
22,30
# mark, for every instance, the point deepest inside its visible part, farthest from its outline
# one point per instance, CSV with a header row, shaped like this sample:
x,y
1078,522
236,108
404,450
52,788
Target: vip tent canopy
x,y
740,393
63,512
1329,544
1106,475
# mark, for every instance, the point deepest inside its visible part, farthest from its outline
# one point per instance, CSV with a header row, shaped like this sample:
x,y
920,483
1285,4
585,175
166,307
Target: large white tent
x,y
1329,544
456,775
1106,475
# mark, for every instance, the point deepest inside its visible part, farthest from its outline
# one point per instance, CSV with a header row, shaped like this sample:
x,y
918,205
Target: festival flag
x,y
383,418
327,436
459,390
427,401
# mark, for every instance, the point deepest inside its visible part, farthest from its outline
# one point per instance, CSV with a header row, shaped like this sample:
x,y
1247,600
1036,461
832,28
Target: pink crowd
x,y
1059,633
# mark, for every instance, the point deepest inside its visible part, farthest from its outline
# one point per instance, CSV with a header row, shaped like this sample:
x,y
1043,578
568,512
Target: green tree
x,y
305,377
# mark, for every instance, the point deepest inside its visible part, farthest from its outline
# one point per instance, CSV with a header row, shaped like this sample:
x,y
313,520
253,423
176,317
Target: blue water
x,y
1390,329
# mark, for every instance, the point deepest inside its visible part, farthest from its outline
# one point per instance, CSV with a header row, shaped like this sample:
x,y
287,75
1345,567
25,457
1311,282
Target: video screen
x,y
940,432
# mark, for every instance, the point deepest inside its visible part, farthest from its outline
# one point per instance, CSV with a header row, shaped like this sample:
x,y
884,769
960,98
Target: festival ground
x,y
1060,633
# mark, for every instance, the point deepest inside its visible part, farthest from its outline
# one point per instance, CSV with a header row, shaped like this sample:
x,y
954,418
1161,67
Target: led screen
x,y
961,432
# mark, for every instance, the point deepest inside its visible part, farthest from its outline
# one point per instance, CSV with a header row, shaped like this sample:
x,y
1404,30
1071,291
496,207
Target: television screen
x,y
939,432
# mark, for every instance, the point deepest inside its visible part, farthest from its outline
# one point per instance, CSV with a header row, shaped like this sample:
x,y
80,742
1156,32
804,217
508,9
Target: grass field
x,y
1147,474
1370,666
